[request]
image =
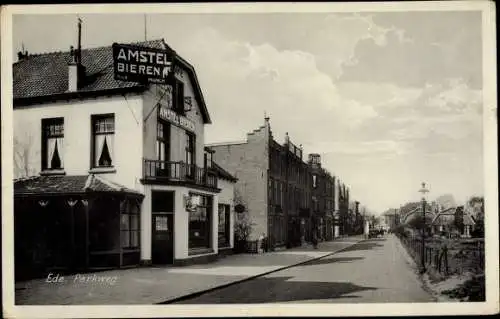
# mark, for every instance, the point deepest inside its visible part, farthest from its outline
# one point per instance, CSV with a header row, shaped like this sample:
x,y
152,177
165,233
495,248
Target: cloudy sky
x,y
388,99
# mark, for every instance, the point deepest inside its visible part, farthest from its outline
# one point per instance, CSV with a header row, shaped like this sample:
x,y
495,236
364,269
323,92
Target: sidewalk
x,y
153,285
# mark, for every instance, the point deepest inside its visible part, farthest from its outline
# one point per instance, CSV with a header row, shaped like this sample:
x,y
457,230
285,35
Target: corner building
x,y
112,173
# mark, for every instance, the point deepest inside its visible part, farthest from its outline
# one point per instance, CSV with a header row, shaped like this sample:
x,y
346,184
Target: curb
x,y
202,292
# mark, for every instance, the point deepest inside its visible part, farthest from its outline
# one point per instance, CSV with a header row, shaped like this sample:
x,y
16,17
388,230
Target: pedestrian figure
x,y
315,240
261,243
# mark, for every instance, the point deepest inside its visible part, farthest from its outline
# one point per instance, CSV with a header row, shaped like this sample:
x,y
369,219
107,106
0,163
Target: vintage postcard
x,y
291,159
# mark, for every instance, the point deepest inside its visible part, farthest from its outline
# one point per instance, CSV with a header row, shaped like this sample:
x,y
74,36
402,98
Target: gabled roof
x,y
44,77
66,184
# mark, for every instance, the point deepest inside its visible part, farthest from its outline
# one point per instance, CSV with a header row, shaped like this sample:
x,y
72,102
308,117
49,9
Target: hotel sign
x,y
141,64
179,120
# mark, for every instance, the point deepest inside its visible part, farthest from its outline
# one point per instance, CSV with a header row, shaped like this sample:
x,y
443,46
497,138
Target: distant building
x,y
121,173
274,184
392,218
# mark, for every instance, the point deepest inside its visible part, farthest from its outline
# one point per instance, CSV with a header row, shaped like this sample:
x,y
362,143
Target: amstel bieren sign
x,y
141,64
176,119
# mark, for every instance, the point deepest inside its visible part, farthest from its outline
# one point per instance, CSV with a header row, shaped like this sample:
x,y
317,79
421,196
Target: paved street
x,y
151,285
377,270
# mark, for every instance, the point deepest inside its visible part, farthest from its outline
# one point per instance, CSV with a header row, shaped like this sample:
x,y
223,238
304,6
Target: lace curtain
x,y
55,148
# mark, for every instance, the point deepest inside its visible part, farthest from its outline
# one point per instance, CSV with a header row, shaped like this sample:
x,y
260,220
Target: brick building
x,y
323,198
274,184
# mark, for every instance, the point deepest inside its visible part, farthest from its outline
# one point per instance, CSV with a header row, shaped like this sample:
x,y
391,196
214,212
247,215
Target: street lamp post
x,y
424,191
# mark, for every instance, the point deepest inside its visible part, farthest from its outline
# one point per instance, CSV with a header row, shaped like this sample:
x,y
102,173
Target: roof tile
x,y
66,184
47,73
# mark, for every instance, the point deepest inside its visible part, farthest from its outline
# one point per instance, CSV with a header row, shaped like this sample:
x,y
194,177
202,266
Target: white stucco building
x,y
75,124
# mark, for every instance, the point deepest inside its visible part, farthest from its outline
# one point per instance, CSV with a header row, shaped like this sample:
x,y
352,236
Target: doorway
x,y
162,251
162,219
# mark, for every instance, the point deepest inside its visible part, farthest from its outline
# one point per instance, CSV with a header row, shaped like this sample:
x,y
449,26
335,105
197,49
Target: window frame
x,y
227,225
46,123
179,95
190,148
128,212
165,138
94,162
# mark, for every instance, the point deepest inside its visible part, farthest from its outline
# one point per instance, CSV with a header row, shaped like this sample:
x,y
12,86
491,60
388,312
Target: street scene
x,y
200,159
345,277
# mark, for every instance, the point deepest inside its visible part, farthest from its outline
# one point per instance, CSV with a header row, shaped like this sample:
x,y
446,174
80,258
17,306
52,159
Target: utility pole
x,y
423,190
145,27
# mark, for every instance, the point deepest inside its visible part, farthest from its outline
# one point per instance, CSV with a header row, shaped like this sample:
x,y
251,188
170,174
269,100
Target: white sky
x,y
388,99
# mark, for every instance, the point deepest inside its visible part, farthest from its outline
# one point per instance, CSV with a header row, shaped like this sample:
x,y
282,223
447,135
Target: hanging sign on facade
x,y
179,120
141,64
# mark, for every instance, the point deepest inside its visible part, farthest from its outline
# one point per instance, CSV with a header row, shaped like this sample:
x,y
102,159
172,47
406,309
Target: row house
x,y
274,185
323,198
298,184
112,173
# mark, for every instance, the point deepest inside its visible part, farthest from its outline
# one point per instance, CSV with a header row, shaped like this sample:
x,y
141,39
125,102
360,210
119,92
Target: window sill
x,y
52,172
199,251
101,170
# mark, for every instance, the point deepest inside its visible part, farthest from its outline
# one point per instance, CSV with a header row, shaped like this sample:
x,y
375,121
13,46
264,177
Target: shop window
x,y
129,220
200,223
52,143
103,135
104,235
224,223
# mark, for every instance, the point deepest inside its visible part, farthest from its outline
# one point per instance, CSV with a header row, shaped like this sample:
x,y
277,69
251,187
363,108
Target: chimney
x,y
315,160
266,118
76,71
21,55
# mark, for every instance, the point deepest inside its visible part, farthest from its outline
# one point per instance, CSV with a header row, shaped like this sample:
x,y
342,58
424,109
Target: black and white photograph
x,y
249,159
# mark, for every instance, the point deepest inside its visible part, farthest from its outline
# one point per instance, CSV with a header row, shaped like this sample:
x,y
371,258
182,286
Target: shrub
x,y
471,290
242,230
